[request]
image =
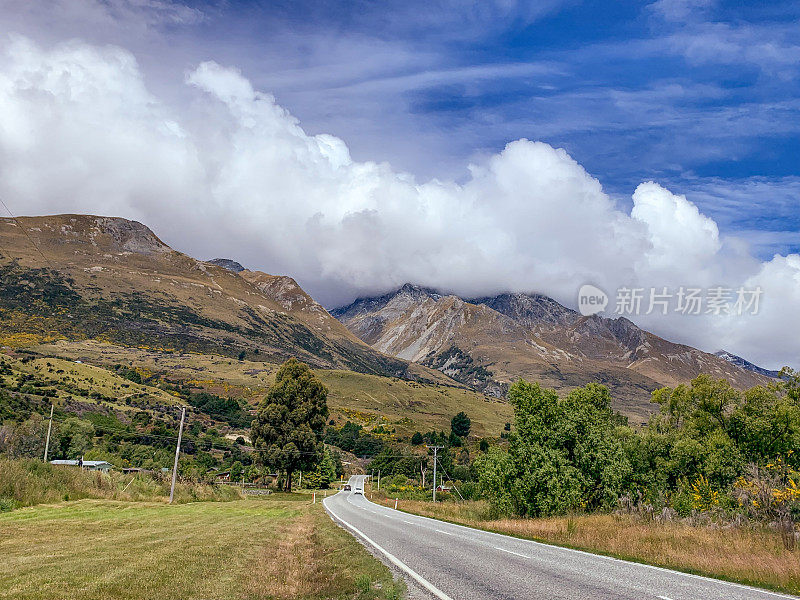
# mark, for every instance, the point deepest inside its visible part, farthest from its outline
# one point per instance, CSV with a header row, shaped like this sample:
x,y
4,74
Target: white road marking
x,y
392,558
664,598
444,532
409,522
510,552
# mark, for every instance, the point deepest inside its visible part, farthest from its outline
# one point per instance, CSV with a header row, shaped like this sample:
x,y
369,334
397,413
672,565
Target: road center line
x,y
444,532
511,552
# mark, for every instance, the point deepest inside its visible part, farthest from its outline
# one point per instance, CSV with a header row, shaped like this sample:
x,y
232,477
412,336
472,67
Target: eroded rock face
x,y
227,263
129,236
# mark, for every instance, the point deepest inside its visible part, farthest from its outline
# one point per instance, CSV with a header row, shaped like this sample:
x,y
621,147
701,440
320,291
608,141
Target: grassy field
x,y
406,406
750,556
72,381
279,547
88,377
411,406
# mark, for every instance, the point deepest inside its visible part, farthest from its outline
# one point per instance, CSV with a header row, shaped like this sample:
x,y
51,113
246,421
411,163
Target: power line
x,y
450,479
435,460
27,235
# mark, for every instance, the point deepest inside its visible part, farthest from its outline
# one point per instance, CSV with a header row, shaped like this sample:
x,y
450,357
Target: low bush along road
x,y
452,561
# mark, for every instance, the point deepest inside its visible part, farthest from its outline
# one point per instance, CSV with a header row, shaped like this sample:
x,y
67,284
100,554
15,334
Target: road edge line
x,y
392,558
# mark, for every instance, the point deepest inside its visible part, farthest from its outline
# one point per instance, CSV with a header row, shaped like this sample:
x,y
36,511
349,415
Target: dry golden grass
x,y
282,565
753,556
311,560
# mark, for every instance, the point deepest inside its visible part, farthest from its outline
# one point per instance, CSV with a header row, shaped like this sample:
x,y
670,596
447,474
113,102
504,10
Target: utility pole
x,y
379,480
177,453
49,429
435,452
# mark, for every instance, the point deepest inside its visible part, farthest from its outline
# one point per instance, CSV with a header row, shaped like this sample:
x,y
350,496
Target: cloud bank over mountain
x,y
226,171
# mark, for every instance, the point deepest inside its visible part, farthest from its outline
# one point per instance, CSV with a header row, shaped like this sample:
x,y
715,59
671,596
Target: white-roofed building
x,y
91,465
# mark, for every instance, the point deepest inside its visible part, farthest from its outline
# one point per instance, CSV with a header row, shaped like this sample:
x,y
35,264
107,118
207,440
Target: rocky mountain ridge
x,y
746,364
112,279
489,342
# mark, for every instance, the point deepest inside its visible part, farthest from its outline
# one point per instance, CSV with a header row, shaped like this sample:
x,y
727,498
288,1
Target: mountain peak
x,y
417,291
528,309
364,304
489,342
110,234
745,364
227,263
116,279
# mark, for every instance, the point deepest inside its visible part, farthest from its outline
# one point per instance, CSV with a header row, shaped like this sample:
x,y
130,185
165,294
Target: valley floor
x,y
750,556
277,547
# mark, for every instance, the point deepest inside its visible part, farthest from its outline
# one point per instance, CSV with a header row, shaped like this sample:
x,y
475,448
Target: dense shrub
x,y
708,446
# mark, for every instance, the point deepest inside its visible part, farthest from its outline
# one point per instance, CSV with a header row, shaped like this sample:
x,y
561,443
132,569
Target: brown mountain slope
x,y
616,340
80,276
489,342
296,302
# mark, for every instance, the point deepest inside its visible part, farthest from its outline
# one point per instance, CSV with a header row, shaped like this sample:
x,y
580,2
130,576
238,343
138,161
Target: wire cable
x,y
27,235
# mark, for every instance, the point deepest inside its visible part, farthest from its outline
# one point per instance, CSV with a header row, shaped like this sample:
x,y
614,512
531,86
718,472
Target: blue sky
x,y
700,96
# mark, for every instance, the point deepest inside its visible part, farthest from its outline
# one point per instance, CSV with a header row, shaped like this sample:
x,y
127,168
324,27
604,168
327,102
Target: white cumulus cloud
x,y
230,172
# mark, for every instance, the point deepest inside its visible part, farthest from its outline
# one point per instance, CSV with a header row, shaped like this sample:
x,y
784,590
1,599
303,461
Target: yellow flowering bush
x,y
704,498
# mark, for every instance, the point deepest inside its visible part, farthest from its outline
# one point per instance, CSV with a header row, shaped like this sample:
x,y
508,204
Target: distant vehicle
x,y
347,487
359,490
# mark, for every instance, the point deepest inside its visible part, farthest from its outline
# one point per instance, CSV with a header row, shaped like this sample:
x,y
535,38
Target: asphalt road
x,y
454,562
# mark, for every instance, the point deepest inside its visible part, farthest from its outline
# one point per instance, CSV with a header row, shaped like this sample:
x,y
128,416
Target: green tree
x,y
337,463
75,437
324,474
24,439
460,425
416,439
288,429
709,429
237,470
390,461
497,474
766,424
483,446
564,454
